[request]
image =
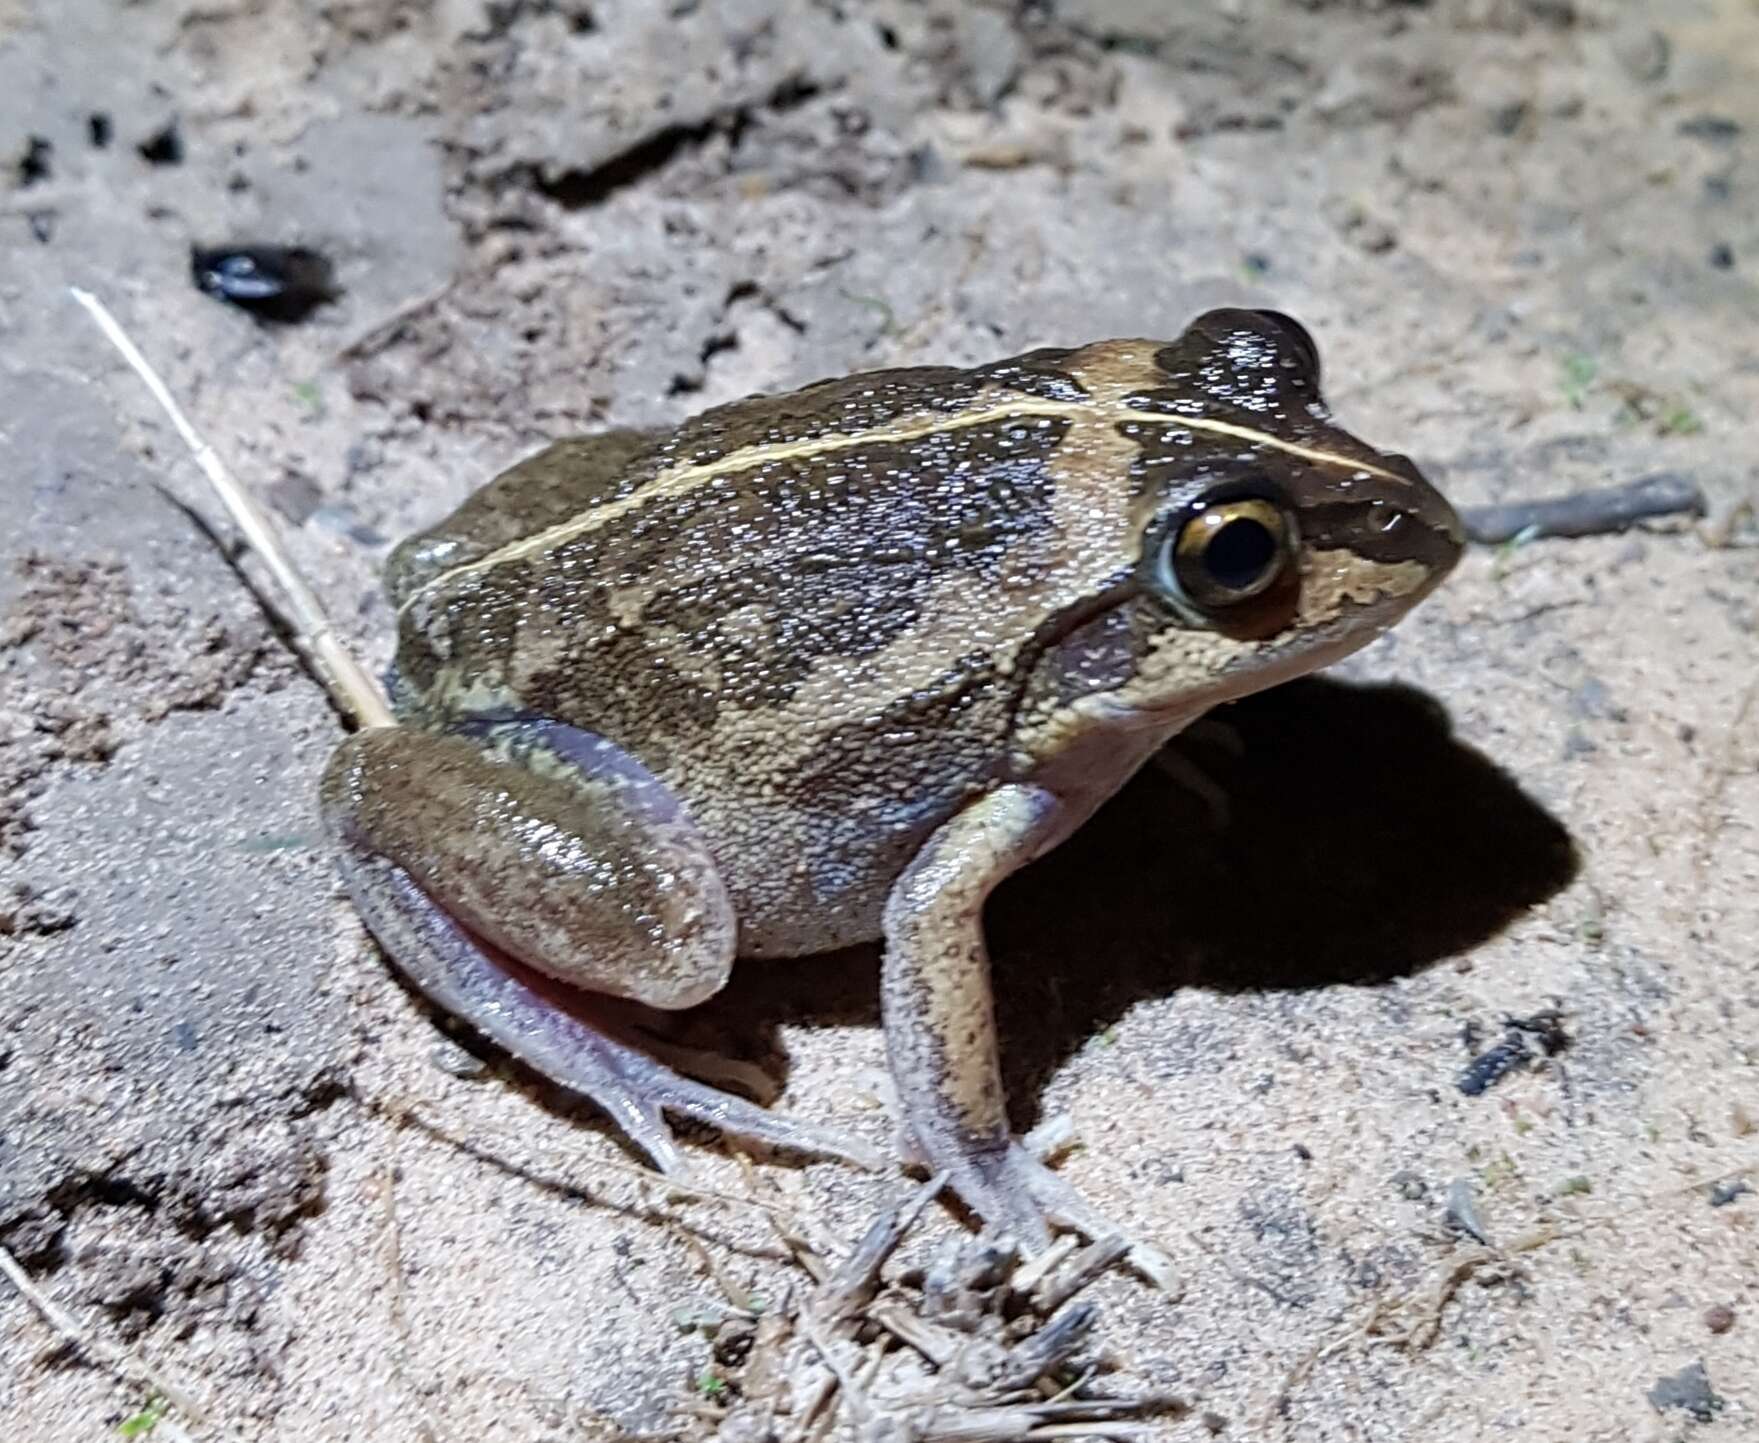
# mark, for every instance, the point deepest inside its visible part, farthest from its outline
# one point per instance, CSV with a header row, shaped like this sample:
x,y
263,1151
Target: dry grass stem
x,y
124,1364
351,688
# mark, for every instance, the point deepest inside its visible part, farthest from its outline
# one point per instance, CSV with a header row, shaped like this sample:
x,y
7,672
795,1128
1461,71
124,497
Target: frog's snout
x,y
1430,509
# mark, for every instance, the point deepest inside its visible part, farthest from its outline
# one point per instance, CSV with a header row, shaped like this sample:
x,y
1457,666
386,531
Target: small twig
x,y
125,1365
1020,1423
931,1342
353,691
1120,1432
1423,1333
1427,1329
855,1281
1052,1292
737,1295
380,333
1046,1350
826,1348
1586,513
1034,1271
1722,770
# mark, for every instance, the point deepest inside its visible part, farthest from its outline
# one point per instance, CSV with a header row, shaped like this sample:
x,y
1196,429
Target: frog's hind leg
x,y
552,1028
535,859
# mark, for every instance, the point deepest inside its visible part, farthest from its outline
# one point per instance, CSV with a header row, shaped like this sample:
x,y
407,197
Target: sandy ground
x,y
1525,233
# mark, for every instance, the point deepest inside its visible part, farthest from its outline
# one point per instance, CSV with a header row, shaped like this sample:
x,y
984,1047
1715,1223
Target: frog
x,y
823,668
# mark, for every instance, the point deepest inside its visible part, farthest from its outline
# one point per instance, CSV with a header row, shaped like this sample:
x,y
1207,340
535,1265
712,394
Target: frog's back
x,y
805,612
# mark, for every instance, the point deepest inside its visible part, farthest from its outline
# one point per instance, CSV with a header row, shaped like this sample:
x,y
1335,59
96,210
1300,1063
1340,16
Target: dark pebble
x,y
1690,1390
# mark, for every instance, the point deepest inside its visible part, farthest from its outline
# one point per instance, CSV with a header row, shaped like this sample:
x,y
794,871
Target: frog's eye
x,y
1226,554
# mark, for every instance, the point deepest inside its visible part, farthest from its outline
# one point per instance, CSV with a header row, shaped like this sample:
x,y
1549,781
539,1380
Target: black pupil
x,y
1239,554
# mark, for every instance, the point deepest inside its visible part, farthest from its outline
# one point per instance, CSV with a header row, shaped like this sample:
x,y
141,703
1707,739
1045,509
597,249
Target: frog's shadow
x,y
1362,842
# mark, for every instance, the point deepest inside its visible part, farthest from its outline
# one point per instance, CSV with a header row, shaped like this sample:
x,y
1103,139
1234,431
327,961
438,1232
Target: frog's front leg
x,y
940,1021
517,869
940,1012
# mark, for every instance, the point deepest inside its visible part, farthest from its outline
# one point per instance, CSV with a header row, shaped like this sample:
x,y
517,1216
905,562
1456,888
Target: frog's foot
x,y
1018,1195
562,1033
1064,1205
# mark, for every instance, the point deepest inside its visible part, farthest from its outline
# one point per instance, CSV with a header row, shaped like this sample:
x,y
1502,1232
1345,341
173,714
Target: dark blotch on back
x,y
544,490
856,759
848,404
752,579
1037,373
834,556
924,755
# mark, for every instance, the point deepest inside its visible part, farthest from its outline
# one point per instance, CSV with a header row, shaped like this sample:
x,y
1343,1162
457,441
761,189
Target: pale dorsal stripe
x,y
680,480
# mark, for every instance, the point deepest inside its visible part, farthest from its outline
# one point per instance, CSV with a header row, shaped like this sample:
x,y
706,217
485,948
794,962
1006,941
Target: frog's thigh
x,y
939,1012
419,817
569,858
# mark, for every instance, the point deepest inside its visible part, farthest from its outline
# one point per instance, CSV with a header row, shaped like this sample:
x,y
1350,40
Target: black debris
x,y
277,283
163,147
33,165
1491,1065
1524,1040
1725,1192
98,129
1718,128
1547,1025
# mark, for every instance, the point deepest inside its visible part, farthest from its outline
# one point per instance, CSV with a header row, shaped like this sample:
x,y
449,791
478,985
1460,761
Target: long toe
x,y
660,1088
1063,1204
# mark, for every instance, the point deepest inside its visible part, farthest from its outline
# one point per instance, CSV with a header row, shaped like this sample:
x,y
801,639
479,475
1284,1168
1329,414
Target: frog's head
x,y
1264,542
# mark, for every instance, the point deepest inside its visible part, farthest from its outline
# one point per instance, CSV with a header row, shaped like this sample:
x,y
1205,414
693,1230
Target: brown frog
x,y
823,667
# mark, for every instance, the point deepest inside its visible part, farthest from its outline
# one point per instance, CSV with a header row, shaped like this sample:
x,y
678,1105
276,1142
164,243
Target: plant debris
x,y
1461,1212
1586,513
976,1348
1524,1040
